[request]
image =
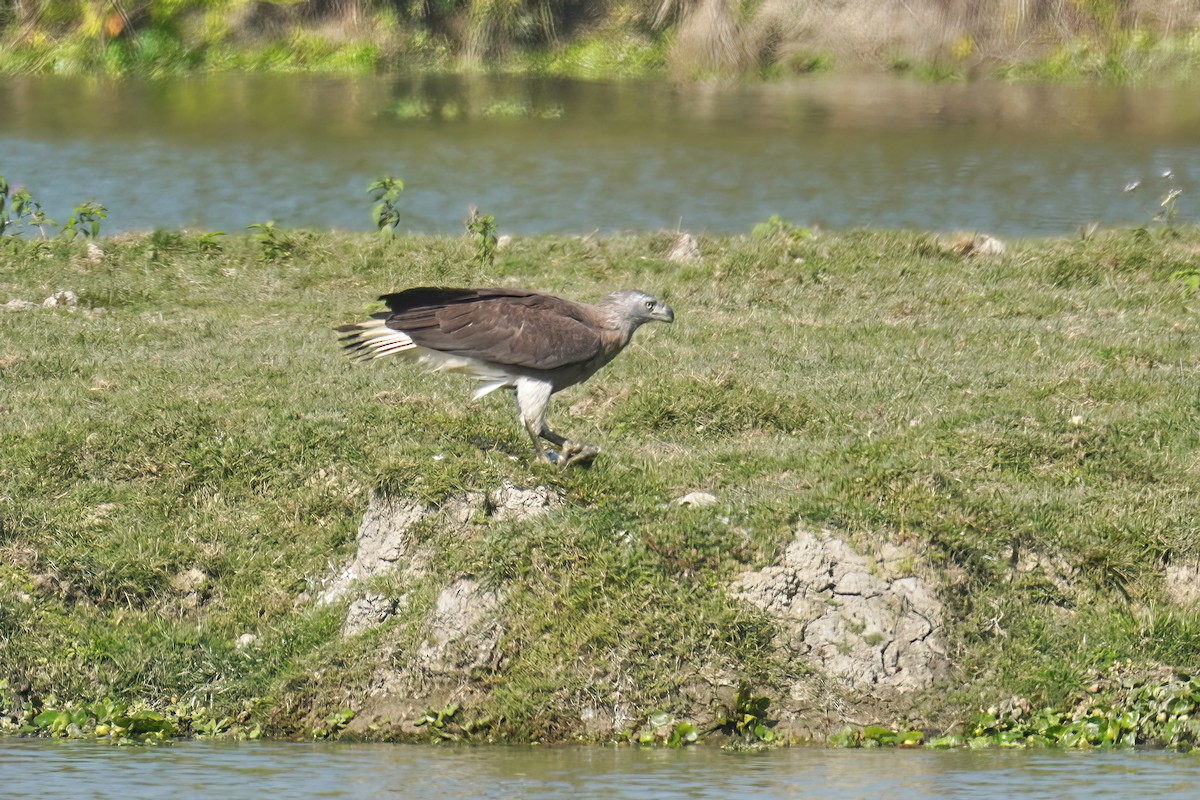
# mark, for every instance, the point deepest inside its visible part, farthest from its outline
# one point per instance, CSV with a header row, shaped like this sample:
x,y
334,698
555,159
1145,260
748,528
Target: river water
x,y
265,769
221,152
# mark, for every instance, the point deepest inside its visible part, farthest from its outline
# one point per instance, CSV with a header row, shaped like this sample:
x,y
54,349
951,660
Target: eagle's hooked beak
x,y
663,313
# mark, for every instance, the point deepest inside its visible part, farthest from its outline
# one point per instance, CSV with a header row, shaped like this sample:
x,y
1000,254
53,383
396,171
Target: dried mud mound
x,y
462,633
867,625
869,622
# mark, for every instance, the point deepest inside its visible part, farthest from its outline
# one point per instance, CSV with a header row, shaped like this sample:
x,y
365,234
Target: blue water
x,y
221,152
255,770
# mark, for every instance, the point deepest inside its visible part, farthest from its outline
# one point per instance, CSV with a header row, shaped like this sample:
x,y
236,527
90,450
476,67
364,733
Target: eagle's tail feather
x,y
373,339
490,386
365,341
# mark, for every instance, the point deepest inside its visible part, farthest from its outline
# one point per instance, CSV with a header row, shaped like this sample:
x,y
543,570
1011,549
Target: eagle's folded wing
x,y
503,327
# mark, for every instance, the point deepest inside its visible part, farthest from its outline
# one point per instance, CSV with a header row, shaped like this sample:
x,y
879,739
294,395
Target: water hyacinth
x,y
1125,710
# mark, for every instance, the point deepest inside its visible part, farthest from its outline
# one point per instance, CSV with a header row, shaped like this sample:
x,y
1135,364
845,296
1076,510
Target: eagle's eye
x,y
649,305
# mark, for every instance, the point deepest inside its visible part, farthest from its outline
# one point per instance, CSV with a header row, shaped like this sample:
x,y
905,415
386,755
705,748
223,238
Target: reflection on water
x,y
219,152
198,769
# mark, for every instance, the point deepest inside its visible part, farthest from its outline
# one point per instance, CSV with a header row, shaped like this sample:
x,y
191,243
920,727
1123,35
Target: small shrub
x,y
385,190
506,108
274,244
775,227
663,729
749,718
85,220
877,736
18,209
410,109
1188,278
482,227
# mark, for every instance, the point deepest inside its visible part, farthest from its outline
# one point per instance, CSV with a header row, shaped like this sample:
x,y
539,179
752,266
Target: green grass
x,y
196,413
1121,57
156,52
608,55
608,41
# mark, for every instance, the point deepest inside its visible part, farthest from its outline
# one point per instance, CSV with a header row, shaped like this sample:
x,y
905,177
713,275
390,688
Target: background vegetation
x,y
187,455
1111,39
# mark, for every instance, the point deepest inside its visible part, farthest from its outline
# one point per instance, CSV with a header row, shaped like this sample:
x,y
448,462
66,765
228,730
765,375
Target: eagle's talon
x,y
577,452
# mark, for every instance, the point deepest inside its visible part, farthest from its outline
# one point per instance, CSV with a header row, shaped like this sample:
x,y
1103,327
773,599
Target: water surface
x,y
220,152
226,770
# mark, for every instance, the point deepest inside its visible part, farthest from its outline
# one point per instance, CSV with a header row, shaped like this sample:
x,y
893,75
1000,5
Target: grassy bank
x,y
187,455
1110,40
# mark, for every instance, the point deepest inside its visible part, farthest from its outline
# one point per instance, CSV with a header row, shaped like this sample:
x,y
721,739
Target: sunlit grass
x,y
612,41
195,413
1126,57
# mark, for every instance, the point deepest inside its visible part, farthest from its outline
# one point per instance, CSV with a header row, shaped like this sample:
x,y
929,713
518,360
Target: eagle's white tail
x,y
373,339
365,341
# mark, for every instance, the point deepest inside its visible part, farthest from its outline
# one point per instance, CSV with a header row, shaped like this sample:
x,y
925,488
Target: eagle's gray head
x,y
632,308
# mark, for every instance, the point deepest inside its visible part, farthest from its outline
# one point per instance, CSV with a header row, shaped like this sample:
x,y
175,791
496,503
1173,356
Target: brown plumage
x,y
533,343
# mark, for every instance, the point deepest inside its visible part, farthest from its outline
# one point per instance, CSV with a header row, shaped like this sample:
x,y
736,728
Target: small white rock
x,y
188,582
66,299
684,249
245,640
696,499
990,246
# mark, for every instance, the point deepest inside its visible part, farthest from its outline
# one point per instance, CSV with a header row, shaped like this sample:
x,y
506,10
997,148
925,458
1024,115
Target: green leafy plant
x,y
62,722
106,719
750,717
385,190
1168,210
1168,205
876,736
138,724
274,244
436,721
483,228
206,724
412,108
1190,278
777,227
85,220
506,108
334,723
18,209
663,729
1126,711
1122,709
683,733
207,242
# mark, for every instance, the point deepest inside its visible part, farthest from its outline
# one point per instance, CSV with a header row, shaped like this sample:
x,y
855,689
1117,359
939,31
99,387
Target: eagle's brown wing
x,y
503,326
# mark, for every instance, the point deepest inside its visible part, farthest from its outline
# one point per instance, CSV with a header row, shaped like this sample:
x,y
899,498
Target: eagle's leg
x,y
550,436
549,456
532,399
